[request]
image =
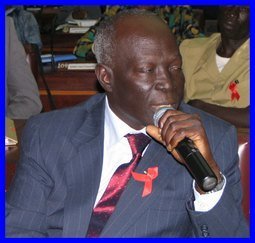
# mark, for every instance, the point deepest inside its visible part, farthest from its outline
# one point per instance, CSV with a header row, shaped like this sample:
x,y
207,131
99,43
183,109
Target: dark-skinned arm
x,y
240,117
174,126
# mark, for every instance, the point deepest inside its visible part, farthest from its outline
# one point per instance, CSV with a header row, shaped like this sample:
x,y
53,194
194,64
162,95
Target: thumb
x,y
154,132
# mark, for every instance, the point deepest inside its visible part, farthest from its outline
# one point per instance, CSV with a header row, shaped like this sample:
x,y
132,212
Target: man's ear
x,y
104,75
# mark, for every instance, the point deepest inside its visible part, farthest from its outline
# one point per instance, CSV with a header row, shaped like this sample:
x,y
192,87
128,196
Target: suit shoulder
x,y
213,125
65,117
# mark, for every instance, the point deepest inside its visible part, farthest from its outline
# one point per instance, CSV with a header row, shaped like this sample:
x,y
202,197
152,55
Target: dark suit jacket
x,y
58,176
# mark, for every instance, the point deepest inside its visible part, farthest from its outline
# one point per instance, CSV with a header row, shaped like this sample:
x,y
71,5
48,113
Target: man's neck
x,y
115,127
227,47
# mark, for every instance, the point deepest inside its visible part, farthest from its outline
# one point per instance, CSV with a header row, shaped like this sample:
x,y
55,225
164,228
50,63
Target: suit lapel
x,y
83,173
132,205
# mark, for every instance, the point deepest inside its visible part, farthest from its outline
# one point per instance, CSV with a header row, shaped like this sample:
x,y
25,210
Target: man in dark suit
x,y
69,156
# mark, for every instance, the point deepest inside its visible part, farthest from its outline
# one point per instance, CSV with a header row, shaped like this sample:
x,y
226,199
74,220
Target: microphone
x,y
194,160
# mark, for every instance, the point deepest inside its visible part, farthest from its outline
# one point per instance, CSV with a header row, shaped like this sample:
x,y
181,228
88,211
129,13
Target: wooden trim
x,y
243,130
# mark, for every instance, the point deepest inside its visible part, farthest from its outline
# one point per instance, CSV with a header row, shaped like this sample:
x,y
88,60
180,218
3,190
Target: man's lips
x,y
158,106
229,24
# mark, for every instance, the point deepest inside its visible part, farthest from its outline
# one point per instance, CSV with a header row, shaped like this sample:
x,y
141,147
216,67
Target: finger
x,y
172,130
171,121
168,113
175,124
177,137
154,132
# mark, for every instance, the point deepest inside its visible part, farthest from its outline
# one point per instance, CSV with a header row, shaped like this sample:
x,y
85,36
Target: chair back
x,y
34,60
244,164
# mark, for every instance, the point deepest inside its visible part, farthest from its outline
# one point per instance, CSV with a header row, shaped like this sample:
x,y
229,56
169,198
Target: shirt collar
x,y
115,128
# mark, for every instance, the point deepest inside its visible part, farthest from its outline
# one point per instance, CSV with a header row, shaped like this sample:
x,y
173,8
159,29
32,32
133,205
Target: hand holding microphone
x,y
183,135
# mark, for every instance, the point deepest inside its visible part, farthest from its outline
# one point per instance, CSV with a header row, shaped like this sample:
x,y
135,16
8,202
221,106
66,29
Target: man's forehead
x,y
137,20
140,25
146,43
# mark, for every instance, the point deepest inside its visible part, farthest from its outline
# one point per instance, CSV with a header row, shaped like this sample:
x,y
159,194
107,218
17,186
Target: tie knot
x,y
137,142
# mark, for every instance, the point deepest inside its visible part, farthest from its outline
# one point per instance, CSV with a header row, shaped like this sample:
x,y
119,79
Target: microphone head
x,y
159,113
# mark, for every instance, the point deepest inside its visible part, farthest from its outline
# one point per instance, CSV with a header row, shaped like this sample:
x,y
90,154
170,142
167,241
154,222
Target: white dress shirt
x,y
117,152
116,147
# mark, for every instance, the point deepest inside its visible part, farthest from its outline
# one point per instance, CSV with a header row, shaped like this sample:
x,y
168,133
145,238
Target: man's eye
x,y
175,68
146,70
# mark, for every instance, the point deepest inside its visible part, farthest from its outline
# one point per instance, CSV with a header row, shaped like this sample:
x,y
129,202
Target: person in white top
x,y
22,93
217,68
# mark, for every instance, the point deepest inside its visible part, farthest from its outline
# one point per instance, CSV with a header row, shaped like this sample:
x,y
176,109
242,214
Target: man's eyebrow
x,y
177,56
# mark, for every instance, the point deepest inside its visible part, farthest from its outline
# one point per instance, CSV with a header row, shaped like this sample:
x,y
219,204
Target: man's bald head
x,y
120,27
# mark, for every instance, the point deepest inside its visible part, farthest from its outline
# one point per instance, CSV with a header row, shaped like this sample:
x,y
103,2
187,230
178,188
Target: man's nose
x,y
164,81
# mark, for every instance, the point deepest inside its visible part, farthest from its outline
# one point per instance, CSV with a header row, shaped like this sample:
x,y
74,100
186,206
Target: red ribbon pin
x,y
233,88
147,178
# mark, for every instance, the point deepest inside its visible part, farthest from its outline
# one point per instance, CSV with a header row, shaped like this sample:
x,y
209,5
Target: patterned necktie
x,y
116,186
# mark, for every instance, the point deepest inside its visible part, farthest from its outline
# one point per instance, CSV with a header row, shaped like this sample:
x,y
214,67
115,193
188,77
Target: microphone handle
x,y
197,165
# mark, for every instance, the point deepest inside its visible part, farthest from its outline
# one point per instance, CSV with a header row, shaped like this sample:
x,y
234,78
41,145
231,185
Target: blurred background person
x,y
180,20
26,25
217,68
22,94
